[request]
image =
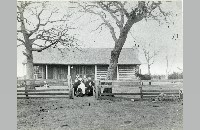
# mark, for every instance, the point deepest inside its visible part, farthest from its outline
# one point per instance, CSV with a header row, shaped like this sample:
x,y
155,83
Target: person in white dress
x,y
81,88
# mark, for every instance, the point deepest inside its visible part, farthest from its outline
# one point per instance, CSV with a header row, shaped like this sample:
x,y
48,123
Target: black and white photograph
x,y
99,65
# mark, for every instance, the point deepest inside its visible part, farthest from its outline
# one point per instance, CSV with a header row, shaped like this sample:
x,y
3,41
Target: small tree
x,y
38,28
150,54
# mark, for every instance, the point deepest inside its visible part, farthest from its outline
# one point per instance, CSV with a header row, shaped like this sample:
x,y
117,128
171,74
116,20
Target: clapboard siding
x,y
127,72
102,71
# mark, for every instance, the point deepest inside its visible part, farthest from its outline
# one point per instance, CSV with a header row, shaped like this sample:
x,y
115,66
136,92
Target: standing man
x,y
85,79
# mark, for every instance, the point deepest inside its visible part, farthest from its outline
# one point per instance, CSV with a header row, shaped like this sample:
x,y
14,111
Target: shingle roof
x,y
84,56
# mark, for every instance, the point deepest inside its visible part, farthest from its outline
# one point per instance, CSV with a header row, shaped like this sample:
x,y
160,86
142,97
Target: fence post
x,y
97,89
150,82
70,87
180,94
26,92
141,82
72,93
141,94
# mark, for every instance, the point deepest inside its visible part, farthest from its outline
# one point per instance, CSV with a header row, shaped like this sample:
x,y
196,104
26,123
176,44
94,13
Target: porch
x,y
96,72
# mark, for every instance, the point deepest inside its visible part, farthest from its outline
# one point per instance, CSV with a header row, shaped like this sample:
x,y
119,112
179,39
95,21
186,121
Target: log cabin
x,y
92,62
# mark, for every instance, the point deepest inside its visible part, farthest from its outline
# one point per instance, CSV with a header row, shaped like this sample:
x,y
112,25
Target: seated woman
x,y
89,87
75,86
81,89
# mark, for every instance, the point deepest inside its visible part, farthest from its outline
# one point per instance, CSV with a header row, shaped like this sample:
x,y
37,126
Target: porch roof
x,y
84,56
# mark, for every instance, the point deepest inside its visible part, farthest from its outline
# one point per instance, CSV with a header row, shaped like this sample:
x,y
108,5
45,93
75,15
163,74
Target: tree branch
x,y
38,25
123,9
106,8
99,27
151,63
20,45
112,31
23,42
38,45
47,21
154,54
25,54
45,47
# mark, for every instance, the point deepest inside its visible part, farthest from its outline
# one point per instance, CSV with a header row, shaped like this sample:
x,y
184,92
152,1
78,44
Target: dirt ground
x,y
87,113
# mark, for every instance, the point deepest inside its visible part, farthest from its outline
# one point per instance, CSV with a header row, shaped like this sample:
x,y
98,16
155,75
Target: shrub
x,y
175,75
144,77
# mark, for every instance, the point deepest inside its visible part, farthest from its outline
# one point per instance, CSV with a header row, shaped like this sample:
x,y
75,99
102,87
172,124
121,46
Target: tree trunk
x,y
149,70
117,49
29,66
29,69
113,63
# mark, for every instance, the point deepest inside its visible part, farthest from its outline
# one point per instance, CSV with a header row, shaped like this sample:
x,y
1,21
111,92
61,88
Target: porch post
x,y
46,72
95,72
68,70
117,72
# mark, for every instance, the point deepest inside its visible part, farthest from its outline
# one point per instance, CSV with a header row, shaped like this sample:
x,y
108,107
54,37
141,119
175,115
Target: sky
x,y
141,33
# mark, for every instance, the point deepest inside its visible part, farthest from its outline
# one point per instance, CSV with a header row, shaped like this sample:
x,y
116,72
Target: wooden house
x,y
92,62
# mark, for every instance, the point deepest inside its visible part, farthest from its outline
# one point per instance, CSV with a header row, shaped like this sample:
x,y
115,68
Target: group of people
x,y
83,86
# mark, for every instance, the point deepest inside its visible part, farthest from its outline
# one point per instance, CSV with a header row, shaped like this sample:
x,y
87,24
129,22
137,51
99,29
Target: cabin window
x,y
38,72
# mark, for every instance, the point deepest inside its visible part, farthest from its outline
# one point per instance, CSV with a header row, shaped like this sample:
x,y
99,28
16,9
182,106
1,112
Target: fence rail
x,y
41,82
163,80
45,92
137,80
144,94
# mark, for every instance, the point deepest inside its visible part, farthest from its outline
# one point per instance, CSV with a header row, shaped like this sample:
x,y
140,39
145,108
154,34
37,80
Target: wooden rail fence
x,y
144,94
45,92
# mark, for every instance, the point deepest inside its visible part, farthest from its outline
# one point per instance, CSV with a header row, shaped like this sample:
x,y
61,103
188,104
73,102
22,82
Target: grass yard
x,y
87,113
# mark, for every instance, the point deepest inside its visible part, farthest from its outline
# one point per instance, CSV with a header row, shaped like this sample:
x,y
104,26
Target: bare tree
x,y
150,54
38,30
119,17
